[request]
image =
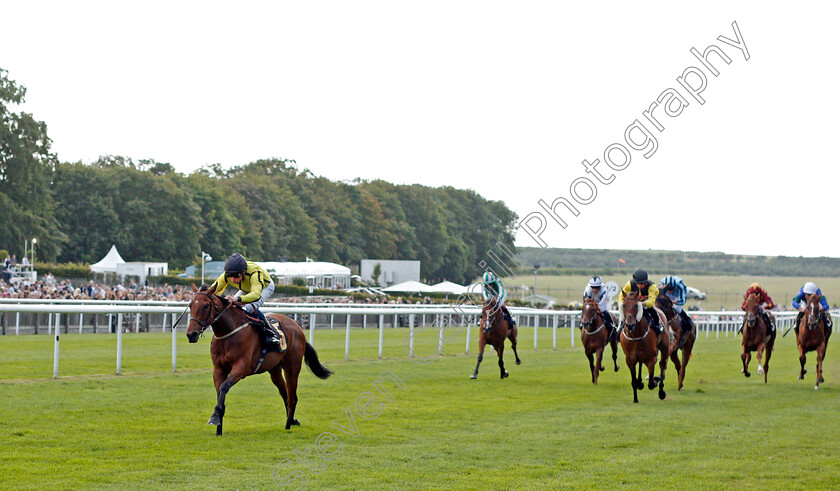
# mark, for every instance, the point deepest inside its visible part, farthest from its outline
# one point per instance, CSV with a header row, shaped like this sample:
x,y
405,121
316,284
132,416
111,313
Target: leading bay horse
x,y
684,340
594,336
639,343
756,337
494,330
236,351
811,337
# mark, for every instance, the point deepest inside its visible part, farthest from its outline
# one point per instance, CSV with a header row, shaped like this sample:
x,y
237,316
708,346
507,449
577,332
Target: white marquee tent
x,y
409,286
108,264
449,287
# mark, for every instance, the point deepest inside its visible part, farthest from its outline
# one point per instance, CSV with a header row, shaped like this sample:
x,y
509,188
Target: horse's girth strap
x,y
243,326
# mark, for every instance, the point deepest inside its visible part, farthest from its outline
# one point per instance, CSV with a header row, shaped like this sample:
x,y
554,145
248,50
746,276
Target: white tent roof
x,y
311,268
409,286
448,287
108,264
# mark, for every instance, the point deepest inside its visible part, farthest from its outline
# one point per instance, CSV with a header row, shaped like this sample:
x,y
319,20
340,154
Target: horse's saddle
x,y
278,328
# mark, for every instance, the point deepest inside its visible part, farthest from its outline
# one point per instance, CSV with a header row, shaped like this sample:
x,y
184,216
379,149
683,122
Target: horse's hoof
x,y
601,369
214,420
816,387
518,362
822,380
474,376
747,374
800,377
505,374
760,370
616,369
661,395
295,422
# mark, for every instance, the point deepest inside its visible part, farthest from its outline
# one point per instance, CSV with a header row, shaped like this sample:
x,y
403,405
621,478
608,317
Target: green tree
x,y
26,167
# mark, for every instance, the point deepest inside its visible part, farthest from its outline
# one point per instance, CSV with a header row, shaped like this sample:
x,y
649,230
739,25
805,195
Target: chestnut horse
x,y
594,336
756,337
236,351
812,337
494,330
683,341
639,344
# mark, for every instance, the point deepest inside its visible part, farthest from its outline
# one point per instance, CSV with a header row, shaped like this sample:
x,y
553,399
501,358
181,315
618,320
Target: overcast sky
x,y
504,98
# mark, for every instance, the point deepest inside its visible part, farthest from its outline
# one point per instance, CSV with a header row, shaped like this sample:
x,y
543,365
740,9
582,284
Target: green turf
x,y
544,427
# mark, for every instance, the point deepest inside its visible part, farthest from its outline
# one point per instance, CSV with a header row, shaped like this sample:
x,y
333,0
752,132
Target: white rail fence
x,y
411,316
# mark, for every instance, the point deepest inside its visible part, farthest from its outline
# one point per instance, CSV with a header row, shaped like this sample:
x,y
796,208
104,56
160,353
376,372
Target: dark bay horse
x,y
236,351
594,336
811,337
756,337
683,340
494,330
639,341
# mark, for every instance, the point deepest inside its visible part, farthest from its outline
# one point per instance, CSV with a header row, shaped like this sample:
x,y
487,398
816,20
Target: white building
x,y
392,271
142,270
314,273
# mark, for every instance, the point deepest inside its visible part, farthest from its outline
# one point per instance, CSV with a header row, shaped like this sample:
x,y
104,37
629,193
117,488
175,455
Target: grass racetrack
x,y
544,427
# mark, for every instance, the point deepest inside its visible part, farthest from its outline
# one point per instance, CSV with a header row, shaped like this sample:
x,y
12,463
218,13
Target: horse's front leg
x,y
237,374
802,359
599,354
745,360
613,345
501,351
591,364
481,344
758,354
820,356
512,336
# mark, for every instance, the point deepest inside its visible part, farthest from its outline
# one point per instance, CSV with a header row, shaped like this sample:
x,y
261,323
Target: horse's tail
x,y
311,358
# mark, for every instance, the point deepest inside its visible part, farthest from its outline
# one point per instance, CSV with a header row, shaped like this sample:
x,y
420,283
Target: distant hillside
x,y
577,261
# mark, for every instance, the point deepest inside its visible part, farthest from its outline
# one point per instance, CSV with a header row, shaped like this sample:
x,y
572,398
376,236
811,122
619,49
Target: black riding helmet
x,y
640,276
235,264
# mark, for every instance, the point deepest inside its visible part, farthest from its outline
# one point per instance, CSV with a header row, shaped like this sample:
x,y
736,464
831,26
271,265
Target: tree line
x,y
558,261
269,210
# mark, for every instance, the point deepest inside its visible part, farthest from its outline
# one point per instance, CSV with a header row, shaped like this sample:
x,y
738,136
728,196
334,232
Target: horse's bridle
x,y
813,319
585,325
204,325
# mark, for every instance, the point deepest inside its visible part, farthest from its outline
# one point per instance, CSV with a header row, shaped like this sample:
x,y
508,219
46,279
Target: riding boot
x,y
508,318
269,335
653,320
796,324
827,323
769,321
685,322
609,323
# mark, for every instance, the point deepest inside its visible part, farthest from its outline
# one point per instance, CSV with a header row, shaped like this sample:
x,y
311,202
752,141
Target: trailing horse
x,y
684,340
639,341
756,337
594,336
494,330
812,336
236,351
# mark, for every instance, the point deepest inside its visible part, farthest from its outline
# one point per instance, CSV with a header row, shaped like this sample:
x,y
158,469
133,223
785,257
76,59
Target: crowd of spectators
x,y
49,288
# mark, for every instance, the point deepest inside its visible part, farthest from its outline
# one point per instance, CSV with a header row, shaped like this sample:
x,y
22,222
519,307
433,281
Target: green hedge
x,y
64,270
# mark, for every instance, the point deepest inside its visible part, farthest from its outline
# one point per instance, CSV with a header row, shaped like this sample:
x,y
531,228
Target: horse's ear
x,y
195,290
212,289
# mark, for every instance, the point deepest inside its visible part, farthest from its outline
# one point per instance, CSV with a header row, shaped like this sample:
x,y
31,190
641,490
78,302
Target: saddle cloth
x,y
278,328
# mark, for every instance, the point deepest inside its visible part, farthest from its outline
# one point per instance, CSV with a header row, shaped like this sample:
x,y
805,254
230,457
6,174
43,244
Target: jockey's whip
x,y
179,318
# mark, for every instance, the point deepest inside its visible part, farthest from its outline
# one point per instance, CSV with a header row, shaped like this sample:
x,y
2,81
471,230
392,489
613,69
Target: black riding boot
x,y
769,321
609,323
685,322
269,335
796,324
508,318
653,320
827,323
